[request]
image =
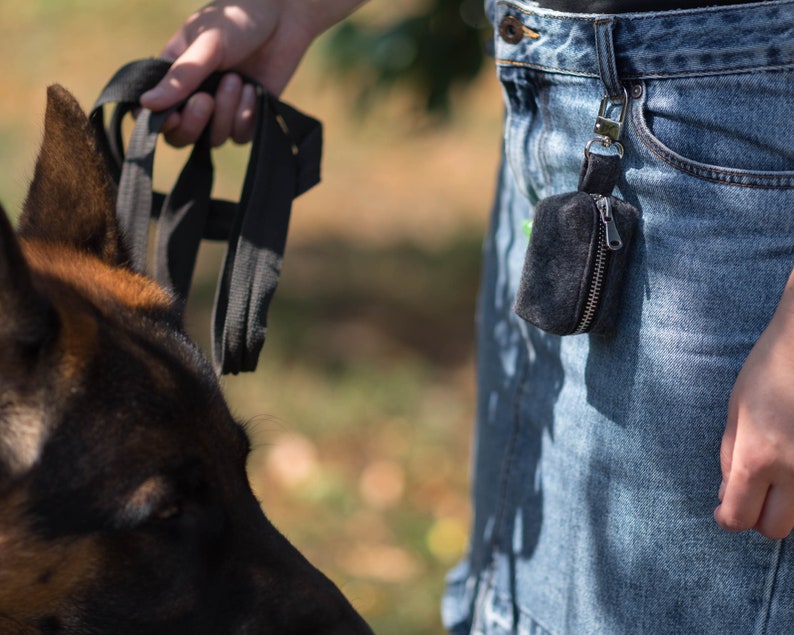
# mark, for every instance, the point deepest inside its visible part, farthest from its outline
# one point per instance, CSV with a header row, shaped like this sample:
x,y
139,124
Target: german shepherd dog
x,y
124,501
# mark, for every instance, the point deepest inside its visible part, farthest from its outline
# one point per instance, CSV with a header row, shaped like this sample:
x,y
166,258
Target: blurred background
x,y
362,408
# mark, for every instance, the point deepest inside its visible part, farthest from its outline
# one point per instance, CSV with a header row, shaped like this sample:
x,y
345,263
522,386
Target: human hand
x,y
263,39
757,453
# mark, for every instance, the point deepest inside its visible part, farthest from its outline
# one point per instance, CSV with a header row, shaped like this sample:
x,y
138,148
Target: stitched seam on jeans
x,y
637,17
704,72
653,75
506,62
544,17
544,89
770,588
715,179
701,172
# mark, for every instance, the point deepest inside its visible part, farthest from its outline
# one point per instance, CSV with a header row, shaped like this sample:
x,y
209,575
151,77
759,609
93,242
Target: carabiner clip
x,y
609,130
610,127
606,142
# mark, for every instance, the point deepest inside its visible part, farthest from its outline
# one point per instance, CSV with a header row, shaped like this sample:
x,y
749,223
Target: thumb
x,y
192,67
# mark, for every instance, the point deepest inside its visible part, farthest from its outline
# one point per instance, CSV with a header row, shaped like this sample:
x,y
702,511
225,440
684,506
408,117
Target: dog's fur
x,y
124,502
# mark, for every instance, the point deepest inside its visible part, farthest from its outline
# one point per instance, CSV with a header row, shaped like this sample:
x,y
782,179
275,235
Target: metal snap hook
x,y
609,130
606,142
610,127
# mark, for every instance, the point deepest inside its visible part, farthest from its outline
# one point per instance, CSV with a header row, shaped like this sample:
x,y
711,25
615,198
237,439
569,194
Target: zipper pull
x,y
604,205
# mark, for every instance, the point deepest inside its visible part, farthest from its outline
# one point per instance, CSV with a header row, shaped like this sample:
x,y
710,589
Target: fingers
x,y
201,58
742,500
726,460
227,102
744,484
245,117
729,440
757,506
192,120
231,115
742,492
754,493
777,517
235,111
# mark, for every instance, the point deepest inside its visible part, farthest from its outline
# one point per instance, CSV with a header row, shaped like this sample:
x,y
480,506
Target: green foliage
x,y
430,53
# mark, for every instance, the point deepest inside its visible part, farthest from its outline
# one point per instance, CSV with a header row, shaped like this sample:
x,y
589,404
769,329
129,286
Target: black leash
x,y
284,163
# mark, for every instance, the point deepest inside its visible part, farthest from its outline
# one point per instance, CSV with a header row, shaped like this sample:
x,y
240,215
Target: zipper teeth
x,y
596,283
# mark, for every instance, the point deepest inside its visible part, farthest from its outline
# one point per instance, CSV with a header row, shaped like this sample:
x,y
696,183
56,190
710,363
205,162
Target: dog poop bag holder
x,y
578,254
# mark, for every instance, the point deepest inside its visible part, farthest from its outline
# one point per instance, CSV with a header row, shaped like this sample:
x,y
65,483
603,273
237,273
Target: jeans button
x,y
511,29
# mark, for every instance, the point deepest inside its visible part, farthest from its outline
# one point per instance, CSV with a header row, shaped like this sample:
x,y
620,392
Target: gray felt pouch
x,y
578,254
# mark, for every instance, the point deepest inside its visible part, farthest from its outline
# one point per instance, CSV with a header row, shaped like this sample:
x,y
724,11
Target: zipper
x,y
608,240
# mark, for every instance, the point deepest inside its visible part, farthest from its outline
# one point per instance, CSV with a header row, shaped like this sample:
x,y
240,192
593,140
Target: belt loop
x,y
605,50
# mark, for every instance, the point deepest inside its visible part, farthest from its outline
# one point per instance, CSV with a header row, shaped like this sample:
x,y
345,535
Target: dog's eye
x,y
154,499
169,511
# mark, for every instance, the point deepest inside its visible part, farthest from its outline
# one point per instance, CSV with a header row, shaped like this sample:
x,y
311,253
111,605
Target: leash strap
x,y
284,163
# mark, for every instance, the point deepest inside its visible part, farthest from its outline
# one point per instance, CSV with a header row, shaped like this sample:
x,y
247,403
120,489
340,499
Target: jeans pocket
x,y
730,129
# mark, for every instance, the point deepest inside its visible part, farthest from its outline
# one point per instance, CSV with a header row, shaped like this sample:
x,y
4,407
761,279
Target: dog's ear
x,y
72,197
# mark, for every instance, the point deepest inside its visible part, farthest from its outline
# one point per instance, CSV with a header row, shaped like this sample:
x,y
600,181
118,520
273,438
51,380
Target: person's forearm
x,y
320,15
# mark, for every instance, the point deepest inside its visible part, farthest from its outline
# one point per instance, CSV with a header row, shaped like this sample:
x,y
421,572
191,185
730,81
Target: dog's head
x,y
124,502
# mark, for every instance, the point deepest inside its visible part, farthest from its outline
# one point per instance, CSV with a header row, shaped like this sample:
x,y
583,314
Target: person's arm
x,y
263,39
757,453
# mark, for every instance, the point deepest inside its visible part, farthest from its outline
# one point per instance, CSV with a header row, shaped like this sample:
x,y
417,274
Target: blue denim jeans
x,y
596,459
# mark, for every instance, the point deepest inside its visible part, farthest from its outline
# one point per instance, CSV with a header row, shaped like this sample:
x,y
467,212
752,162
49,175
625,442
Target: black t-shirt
x,y
631,6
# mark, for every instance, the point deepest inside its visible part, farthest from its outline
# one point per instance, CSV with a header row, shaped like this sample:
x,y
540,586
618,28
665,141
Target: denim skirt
x,y
596,458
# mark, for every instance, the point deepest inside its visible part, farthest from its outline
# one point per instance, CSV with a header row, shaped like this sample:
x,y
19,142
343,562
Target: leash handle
x,y
284,163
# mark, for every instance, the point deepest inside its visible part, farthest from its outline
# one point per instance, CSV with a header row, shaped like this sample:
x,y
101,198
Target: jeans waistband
x,y
627,6
692,42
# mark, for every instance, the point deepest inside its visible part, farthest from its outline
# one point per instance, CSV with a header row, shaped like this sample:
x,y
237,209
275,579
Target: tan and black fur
x,y
124,502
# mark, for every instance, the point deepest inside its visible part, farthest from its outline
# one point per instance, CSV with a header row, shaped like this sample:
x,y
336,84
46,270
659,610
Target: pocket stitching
x,y
705,171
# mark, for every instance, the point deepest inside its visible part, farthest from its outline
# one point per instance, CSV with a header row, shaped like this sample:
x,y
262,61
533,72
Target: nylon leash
x,y
284,162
